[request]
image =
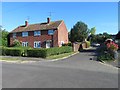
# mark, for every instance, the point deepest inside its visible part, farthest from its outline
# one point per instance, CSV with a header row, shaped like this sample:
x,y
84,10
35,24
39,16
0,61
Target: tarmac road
x,y
78,71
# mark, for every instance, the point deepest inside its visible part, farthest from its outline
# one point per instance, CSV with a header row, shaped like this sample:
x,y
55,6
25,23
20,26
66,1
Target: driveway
x,y
78,71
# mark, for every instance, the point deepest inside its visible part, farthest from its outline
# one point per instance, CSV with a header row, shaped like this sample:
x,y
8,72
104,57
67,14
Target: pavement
x,y
78,71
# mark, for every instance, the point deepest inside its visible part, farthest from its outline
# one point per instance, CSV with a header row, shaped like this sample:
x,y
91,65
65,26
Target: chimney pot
x,y
48,20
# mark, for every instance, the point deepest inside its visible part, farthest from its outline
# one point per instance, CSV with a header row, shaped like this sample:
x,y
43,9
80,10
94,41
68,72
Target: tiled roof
x,y
38,26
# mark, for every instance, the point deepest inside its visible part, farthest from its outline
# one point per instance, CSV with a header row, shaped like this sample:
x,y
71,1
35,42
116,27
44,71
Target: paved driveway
x,y
77,71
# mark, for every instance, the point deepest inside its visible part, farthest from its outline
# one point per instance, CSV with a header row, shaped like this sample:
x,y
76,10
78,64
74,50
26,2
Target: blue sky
x,y
102,15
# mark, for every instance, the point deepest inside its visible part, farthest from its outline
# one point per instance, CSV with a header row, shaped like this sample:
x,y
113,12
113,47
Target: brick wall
x,y
59,35
62,34
79,46
31,38
76,47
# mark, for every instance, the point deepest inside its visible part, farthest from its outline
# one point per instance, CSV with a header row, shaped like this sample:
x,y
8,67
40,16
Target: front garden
x,y
35,52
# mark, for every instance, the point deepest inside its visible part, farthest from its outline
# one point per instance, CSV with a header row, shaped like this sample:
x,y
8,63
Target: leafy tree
x,y
100,38
3,37
92,36
79,32
106,35
93,30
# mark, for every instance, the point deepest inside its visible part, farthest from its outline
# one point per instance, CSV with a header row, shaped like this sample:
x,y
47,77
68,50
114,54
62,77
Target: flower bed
x,y
108,51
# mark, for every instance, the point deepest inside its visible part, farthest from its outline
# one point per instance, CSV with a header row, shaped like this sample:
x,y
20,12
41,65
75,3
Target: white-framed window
x,y
24,44
24,34
50,32
14,35
37,33
37,44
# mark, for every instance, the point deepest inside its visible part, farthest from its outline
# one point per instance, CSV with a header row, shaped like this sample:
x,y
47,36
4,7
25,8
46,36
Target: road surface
x,y
78,71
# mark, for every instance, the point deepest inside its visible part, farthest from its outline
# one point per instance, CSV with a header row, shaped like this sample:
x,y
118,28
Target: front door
x,y
48,44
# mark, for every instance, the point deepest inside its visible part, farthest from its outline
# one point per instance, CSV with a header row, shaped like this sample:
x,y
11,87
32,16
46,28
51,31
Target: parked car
x,y
95,44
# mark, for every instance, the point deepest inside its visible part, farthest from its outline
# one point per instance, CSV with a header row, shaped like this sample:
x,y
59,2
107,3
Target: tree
x,y
3,38
106,35
92,35
93,31
79,32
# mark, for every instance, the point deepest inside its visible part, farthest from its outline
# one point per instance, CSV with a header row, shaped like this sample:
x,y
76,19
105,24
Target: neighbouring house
x,y
118,35
46,35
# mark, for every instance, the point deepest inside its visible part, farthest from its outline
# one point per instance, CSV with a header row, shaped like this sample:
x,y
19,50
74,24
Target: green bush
x,y
31,52
11,51
16,43
58,50
43,52
36,53
1,50
102,48
105,57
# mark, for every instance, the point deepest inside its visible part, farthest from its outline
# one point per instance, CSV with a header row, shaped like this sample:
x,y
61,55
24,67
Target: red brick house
x,y
46,35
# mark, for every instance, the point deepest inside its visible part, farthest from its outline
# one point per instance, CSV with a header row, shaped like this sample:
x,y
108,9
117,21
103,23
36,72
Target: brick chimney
x,y
48,20
26,23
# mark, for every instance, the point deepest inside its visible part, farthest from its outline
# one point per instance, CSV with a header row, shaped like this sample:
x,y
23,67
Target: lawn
x,y
34,59
60,55
9,59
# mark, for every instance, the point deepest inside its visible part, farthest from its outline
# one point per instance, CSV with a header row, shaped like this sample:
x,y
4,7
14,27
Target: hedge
x,y
31,52
58,50
11,51
48,52
36,53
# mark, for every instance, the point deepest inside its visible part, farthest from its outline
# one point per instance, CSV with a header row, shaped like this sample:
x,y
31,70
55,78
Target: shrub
x,y
105,56
36,53
11,51
106,51
102,48
2,50
58,50
112,46
43,52
30,52
16,43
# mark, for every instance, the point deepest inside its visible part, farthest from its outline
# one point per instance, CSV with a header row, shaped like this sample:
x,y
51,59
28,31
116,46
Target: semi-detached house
x,y
46,35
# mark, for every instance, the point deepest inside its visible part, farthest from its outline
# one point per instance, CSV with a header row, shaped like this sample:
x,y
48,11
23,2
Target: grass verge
x,y
30,59
60,55
9,59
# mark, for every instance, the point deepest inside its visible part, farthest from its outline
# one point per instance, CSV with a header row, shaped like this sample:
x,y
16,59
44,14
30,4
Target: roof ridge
x,y
43,22
38,26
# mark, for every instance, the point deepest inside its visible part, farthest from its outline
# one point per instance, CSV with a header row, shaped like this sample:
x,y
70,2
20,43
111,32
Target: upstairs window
x,y
14,35
37,33
50,32
24,34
